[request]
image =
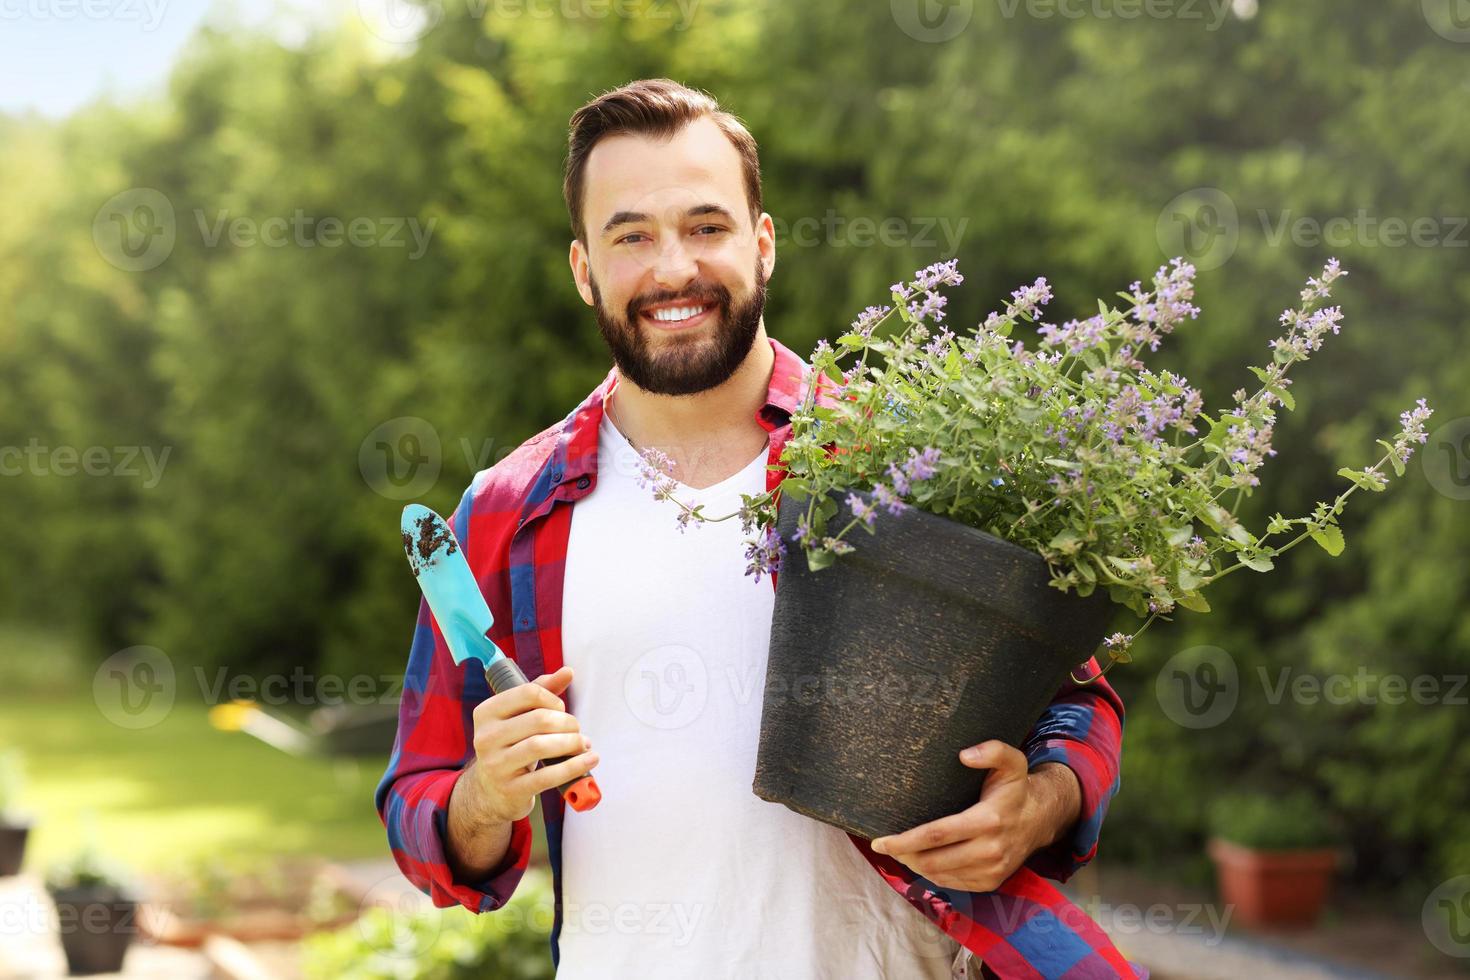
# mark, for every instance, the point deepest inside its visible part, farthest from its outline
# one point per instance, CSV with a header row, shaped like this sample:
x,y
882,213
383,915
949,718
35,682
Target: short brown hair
x,y
656,107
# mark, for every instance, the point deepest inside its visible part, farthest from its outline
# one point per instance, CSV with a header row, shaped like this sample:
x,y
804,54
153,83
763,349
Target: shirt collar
x,y
574,460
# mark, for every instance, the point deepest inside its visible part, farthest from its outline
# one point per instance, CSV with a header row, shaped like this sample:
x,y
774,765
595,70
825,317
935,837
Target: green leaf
x,y
1393,457
1364,479
1067,542
1259,563
817,560
1330,538
1287,399
1180,536
1195,602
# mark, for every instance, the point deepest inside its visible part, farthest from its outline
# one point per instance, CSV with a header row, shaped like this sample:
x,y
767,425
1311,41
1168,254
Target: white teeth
x,y
677,313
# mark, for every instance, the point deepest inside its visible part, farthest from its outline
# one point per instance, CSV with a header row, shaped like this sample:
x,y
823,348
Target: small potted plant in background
x,y
96,909
1274,856
15,824
1009,493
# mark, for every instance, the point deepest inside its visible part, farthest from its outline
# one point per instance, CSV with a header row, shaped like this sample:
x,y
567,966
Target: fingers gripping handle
x,y
580,793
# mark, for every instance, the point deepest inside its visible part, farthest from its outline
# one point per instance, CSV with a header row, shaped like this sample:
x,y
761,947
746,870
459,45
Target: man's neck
x,y
708,436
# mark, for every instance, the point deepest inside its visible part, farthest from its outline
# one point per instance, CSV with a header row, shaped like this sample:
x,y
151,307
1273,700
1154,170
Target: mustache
x,y
717,295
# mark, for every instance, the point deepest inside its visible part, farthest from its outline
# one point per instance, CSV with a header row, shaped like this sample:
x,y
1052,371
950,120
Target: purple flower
x,y
900,480
862,510
1028,300
869,318
888,499
920,466
765,555
940,273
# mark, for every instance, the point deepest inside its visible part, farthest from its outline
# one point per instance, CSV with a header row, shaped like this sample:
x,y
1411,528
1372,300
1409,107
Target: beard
x,y
684,365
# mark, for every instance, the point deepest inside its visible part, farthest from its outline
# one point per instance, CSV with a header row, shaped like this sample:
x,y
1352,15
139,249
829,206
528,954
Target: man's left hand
x,y
979,848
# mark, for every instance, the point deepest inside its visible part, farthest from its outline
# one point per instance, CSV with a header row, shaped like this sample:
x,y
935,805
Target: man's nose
x,y
676,262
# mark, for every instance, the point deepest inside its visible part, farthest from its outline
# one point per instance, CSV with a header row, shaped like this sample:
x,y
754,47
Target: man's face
x,y
669,232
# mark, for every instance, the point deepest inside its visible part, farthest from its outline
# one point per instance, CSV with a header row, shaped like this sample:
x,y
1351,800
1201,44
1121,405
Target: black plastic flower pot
x,y
12,847
97,924
931,636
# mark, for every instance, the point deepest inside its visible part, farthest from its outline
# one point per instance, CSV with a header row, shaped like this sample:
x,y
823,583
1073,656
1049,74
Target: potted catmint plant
x,y
96,911
1274,857
1007,494
15,824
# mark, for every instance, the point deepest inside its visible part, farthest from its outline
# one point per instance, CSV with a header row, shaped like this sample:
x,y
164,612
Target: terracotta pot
x,y
930,637
1273,889
97,926
12,847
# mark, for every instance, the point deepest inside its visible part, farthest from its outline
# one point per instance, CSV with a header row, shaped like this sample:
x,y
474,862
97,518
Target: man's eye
x,y
716,229
626,238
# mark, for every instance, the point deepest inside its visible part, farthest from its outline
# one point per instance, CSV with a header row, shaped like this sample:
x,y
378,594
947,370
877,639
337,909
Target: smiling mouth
x,y
675,317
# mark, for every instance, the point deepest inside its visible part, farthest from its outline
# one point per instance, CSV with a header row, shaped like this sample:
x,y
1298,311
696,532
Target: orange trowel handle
x,y
580,793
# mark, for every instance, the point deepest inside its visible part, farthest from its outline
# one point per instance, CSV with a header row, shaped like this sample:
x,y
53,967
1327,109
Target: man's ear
x,y
765,243
577,258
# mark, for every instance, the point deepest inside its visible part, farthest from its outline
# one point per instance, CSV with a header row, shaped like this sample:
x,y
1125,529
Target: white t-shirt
x,y
682,871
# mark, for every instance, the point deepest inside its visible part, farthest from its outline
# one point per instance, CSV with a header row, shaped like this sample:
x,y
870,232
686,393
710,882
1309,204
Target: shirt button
x,y
584,482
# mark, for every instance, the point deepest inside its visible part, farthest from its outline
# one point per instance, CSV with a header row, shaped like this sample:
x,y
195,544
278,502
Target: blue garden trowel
x,y
463,617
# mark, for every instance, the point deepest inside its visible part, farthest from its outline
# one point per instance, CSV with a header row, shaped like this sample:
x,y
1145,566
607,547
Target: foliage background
x,y
1059,142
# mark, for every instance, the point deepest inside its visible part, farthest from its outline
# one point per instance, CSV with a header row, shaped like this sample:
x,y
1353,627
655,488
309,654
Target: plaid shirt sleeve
x,y
433,744
1082,728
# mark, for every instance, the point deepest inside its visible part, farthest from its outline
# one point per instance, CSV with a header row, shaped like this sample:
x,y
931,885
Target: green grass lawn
x,y
180,791
163,797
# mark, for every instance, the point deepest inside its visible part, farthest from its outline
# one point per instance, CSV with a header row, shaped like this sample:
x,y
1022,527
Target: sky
x,y
56,55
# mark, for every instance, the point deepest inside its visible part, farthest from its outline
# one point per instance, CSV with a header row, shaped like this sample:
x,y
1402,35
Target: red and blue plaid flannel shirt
x,y
514,536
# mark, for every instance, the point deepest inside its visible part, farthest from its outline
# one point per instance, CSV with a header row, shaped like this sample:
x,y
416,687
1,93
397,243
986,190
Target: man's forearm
x,y
1059,801
478,843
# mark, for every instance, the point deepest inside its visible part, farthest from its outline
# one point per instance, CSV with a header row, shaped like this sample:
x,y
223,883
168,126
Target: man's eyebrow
x,y
633,217
624,218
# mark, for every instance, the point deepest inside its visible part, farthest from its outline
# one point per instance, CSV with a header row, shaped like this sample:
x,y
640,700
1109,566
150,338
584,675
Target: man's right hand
x,y
514,731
